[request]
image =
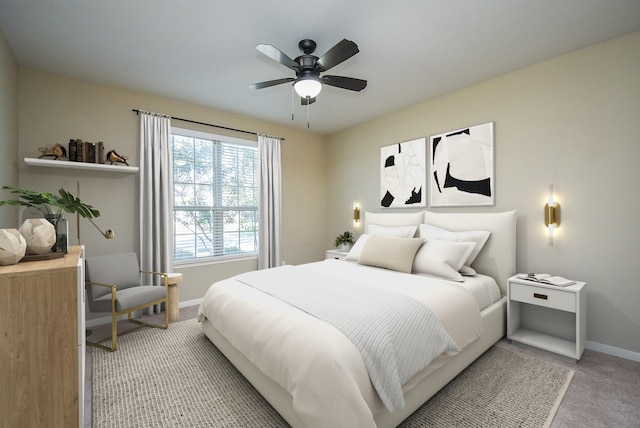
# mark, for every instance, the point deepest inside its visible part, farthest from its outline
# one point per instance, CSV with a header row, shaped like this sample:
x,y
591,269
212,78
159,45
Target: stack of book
x,y
84,151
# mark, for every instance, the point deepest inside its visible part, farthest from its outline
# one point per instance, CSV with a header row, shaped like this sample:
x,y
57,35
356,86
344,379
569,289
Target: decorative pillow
x,y
397,231
442,258
354,253
480,237
467,271
390,252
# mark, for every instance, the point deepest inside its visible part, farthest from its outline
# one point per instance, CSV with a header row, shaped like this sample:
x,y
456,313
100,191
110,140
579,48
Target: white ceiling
x,y
203,51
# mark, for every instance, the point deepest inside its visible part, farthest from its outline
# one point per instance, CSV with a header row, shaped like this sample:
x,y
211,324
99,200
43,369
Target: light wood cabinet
x,y
42,342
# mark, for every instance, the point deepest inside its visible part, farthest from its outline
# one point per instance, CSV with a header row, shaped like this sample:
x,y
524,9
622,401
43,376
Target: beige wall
x,y
573,121
54,109
8,130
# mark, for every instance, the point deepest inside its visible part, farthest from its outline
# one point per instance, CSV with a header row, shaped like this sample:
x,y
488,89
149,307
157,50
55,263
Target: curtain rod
x,y
210,124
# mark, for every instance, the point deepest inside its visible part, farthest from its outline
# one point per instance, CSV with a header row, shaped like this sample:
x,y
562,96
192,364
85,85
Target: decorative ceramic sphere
x,y
12,247
39,234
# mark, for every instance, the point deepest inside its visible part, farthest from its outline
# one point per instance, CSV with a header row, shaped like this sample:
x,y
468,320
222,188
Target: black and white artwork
x,y
462,172
403,174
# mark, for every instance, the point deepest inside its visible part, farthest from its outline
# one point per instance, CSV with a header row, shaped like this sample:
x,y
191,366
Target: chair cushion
x,y
122,270
130,298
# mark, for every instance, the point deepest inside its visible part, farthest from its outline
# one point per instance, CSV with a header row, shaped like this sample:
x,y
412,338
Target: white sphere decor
x,y
12,247
39,234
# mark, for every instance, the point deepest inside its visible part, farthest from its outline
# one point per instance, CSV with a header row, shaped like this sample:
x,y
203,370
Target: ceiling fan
x,y
308,67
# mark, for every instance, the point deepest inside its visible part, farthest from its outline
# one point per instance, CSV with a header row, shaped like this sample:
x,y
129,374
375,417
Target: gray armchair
x,y
114,284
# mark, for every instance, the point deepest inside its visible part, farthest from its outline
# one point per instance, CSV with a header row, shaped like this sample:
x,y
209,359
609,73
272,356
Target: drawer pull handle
x,y
540,296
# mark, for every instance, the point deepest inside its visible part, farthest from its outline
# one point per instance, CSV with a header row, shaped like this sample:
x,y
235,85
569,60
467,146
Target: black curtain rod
x,y
210,124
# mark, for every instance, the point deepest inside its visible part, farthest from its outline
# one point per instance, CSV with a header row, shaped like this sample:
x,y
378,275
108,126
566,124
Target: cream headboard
x,y
498,257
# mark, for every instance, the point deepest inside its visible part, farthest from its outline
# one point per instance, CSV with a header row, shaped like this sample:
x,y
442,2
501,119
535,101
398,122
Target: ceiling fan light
x,y
308,88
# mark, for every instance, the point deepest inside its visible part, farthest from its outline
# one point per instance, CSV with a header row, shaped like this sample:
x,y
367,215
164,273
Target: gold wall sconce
x,y
551,214
109,234
356,213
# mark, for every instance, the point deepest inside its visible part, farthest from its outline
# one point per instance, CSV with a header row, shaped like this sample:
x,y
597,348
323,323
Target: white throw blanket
x,y
396,335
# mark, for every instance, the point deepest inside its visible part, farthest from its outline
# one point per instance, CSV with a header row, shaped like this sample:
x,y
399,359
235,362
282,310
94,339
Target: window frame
x,y
224,139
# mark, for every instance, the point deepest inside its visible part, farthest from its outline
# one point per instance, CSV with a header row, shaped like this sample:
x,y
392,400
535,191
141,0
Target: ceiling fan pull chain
x,y
308,108
291,102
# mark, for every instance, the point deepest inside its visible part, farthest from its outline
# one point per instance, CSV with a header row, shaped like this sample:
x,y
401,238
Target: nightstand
x,y
336,254
547,317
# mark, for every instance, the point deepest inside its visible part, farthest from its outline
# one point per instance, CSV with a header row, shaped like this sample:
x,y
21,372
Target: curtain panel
x,y
270,205
156,194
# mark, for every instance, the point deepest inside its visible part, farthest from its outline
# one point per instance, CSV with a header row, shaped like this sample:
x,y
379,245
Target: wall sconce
x,y
109,234
356,213
551,214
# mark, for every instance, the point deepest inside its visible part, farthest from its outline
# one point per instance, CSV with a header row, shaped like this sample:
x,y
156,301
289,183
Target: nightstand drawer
x,y
540,296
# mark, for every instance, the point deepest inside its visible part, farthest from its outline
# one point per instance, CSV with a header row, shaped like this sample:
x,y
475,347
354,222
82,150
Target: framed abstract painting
x,y
462,167
403,174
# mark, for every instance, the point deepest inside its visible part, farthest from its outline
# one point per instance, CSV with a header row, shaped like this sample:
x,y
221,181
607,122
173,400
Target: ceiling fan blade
x,y
305,101
275,54
349,83
342,51
269,83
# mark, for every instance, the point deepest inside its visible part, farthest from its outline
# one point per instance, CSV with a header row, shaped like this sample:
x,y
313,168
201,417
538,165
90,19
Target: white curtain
x,y
270,225
156,193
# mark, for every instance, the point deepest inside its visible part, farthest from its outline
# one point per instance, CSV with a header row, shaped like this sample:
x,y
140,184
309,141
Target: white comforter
x,y
313,361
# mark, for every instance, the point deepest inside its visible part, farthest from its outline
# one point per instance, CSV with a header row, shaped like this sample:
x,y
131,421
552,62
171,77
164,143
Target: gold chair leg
x,y
114,330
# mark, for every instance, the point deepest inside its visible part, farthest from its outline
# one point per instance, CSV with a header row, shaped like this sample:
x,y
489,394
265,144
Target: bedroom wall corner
x,y
572,121
53,109
8,130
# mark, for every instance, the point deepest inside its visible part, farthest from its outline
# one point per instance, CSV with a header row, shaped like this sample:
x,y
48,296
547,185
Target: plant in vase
x,y
52,207
344,241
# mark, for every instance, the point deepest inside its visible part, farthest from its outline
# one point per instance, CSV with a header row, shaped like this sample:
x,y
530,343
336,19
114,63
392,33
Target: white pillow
x,y
442,258
480,237
390,252
397,231
354,253
467,271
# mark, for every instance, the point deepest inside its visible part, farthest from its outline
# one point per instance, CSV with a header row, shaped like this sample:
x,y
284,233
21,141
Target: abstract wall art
x,y
462,170
403,174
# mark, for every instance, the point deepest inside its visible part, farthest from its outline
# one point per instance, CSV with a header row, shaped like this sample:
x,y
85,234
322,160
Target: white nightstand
x,y
336,254
548,317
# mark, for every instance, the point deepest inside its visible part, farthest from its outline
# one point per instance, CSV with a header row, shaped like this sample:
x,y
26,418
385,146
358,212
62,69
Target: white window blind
x,y
215,182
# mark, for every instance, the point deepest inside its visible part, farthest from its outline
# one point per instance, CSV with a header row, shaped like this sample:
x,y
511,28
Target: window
x,y
215,196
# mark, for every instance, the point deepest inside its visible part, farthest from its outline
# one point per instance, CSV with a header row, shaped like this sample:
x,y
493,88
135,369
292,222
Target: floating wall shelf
x,y
80,165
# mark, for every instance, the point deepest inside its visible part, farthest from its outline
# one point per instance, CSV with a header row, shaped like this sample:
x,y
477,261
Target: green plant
x,y
50,204
344,239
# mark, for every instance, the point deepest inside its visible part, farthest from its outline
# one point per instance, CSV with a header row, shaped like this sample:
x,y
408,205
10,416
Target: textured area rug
x,y
177,378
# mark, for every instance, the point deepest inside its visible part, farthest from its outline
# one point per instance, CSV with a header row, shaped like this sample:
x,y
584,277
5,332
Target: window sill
x,y
213,261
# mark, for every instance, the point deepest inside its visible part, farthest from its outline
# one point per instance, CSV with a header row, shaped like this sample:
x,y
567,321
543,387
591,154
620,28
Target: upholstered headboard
x,y
498,257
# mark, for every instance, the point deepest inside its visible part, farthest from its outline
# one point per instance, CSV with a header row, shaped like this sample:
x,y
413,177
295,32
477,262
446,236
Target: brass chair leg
x,y
114,329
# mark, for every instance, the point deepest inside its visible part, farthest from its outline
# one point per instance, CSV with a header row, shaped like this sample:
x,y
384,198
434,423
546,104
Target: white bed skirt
x,y
493,318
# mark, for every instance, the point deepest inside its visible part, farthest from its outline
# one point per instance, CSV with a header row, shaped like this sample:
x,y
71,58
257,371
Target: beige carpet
x,y
178,378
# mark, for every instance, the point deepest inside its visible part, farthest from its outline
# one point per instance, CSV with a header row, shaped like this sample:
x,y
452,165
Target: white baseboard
x,y
106,320
612,350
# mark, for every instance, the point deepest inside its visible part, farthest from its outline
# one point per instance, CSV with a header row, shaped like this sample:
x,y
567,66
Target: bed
x,y
311,373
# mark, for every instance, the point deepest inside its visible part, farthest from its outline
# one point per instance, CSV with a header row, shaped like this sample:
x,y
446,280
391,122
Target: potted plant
x,y
344,241
52,207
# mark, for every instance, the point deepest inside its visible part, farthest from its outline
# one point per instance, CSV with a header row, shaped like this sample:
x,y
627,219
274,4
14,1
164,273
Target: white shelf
x,y
545,341
80,165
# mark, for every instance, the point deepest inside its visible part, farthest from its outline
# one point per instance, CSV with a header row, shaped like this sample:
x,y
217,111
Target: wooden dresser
x,y
42,337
